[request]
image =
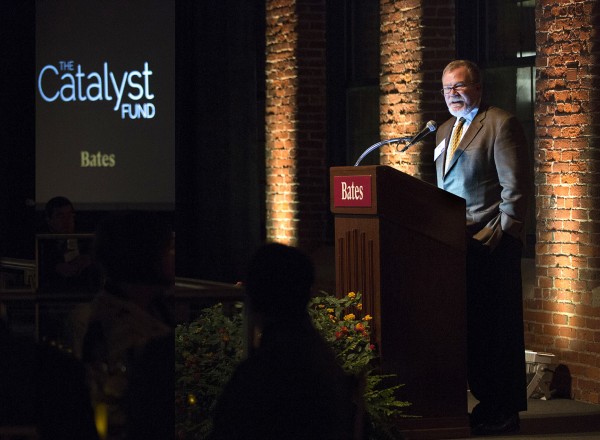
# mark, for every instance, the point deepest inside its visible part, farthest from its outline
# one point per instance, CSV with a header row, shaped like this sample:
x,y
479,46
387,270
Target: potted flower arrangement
x,y
209,348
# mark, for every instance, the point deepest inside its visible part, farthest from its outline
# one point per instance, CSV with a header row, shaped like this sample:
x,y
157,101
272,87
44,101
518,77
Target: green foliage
x,y
208,349
206,353
344,326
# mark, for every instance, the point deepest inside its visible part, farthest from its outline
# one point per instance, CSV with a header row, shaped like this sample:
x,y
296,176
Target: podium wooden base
x,y
401,243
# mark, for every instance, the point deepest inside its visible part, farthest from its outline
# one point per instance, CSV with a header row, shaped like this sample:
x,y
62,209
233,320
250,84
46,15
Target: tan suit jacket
x,y
491,170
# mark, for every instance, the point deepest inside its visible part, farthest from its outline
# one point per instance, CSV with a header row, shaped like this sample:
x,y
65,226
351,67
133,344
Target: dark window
x,y
353,80
499,35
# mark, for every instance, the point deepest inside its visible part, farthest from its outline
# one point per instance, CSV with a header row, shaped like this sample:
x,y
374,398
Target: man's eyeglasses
x,y
458,87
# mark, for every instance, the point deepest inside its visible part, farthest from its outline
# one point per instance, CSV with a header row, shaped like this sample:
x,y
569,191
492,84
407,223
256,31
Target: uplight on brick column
x,y
296,168
281,122
416,43
563,317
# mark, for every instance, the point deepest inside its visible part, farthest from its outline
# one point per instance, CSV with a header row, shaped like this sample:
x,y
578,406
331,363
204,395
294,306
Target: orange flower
x,y
349,317
351,295
359,327
367,318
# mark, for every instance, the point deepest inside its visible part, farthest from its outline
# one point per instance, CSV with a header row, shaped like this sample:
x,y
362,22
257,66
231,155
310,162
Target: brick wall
x,y
563,317
417,41
296,168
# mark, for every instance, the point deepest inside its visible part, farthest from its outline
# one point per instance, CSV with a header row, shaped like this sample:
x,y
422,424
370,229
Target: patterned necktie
x,y
455,140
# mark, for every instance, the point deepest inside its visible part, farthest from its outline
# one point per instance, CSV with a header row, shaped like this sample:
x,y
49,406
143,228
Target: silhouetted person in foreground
x,y
44,389
290,387
129,346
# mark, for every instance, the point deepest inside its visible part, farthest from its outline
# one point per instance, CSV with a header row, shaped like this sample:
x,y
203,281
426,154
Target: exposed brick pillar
x,y
564,315
296,172
417,41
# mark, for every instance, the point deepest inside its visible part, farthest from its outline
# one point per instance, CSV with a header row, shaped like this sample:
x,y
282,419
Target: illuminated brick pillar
x,y
417,41
563,317
296,172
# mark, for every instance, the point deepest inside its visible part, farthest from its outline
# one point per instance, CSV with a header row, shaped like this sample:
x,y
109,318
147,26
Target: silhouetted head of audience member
x,y
279,281
290,385
60,215
135,248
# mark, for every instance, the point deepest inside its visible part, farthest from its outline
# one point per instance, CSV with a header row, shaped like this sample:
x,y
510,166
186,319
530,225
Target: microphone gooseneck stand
x,y
381,144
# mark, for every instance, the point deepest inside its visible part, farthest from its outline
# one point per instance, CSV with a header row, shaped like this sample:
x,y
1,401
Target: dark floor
x,y
556,418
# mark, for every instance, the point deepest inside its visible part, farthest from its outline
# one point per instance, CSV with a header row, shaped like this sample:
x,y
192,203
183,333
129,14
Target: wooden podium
x,y
401,243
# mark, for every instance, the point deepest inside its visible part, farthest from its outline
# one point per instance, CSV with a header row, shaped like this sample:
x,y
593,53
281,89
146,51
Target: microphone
x,y
429,128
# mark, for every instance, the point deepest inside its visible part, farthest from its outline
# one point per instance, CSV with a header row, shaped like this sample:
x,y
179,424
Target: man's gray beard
x,y
465,111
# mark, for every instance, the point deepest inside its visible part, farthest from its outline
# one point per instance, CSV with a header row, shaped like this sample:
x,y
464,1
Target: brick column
x,y
417,41
296,172
563,317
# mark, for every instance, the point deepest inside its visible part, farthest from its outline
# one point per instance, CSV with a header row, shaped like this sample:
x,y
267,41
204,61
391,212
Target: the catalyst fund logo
x,y
69,82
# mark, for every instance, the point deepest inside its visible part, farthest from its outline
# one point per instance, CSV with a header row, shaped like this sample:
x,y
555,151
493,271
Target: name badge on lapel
x,y
439,149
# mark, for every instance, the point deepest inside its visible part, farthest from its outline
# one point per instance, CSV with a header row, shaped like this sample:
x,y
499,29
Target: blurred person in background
x,y
128,345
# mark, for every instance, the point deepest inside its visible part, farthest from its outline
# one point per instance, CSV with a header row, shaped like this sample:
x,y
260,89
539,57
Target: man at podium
x,y
482,156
